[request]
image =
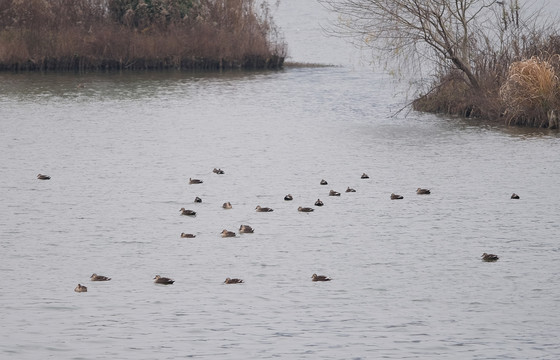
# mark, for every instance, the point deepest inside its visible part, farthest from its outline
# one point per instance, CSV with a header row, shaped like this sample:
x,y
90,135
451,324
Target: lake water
x,y
407,278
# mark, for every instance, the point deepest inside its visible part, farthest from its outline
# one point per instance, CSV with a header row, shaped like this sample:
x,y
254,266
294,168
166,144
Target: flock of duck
x,y
247,229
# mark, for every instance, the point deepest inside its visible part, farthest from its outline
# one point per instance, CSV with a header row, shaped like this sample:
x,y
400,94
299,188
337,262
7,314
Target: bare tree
x,y
450,29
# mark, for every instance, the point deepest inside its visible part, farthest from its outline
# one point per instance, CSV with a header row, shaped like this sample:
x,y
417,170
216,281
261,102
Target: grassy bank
x,y
517,86
89,35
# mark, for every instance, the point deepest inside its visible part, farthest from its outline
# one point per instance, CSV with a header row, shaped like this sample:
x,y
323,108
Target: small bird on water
x,y
514,196
489,257
80,288
263,209
187,212
226,233
316,277
396,197
305,209
163,280
246,229
233,281
43,177
195,181
95,277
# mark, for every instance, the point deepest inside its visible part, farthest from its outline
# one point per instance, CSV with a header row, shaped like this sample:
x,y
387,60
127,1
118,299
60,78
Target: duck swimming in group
x,y
246,229
263,209
80,288
233,281
316,277
218,171
319,202
396,197
365,176
514,196
324,182
489,257
163,280
227,205
197,200
95,277
195,181
334,193
350,189
421,191
225,233
288,197
305,209
187,212
43,177
190,236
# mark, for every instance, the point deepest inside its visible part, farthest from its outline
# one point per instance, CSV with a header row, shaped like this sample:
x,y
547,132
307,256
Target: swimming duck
x,y
246,229
288,197
227,205
396,197
421,191
350,189
233,281
319,202
304,209
263,209
43,177
514,196
365,176
80,288
195,181
163,280
218,171
95,277
226,233
187,212
190,236
334,193
489,257
324,182
316,277
197,200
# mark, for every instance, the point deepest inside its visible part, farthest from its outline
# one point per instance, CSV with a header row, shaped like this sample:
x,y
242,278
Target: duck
x,y
316,277
163,280
288,197
246,229
187,212
263,209
365,176
197,200
350,189
421,191
227,205
514,196
489,257
319,202
43,177
324,182
233,281
226,233
190,236
80,288
396,197
334,193
195,181
304,209
95,277
218,171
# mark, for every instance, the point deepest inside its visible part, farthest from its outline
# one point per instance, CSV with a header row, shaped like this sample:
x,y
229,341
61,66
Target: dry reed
x,y
81,35
530,93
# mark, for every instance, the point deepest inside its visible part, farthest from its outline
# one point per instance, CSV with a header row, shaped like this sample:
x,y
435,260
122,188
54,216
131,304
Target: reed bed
x,y
83,35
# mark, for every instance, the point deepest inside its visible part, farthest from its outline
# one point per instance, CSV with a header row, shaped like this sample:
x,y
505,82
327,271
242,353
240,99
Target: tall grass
x,y
83,35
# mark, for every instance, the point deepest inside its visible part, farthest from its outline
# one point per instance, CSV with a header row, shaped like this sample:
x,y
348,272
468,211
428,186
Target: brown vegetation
x,y
137,34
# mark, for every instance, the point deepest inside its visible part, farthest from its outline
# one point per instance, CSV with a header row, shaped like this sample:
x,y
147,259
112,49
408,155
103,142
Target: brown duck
x,y
163,280
95,277
316,277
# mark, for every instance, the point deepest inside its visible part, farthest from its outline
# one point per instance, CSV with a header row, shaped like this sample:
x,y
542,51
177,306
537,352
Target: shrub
x,y
530,93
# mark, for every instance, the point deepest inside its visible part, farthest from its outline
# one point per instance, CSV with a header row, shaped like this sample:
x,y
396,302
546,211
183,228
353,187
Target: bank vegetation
x,y
489,59
93,35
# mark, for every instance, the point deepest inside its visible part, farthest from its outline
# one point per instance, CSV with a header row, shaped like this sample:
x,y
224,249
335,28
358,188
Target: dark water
x,y
408,281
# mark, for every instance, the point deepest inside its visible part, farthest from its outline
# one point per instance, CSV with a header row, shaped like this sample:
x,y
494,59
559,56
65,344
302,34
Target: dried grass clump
x,y
530,93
